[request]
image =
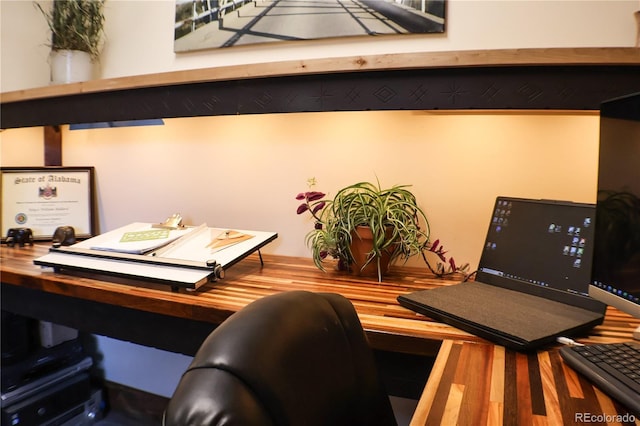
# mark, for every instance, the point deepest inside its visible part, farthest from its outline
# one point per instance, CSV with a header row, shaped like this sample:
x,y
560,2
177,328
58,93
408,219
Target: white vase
x,y
70,66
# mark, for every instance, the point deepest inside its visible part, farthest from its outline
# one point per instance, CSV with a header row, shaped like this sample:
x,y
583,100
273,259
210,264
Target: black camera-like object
x,y
20,236
64,236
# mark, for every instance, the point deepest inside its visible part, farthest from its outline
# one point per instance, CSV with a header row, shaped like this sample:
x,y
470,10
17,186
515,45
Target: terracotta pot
x,y
361,245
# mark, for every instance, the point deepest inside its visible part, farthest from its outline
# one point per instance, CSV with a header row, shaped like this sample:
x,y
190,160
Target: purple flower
x,y
301,196
302,208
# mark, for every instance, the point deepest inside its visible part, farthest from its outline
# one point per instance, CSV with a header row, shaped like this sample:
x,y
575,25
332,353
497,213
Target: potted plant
x,y
77,30
389,221
365,227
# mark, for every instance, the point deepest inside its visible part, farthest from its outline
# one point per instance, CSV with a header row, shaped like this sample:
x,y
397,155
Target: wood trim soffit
x,y
400,61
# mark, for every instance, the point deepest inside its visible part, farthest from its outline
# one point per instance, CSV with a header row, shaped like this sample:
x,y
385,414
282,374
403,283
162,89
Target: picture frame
x,y
45,198
212,24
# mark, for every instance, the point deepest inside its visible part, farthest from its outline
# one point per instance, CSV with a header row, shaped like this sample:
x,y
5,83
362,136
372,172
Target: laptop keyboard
x,y
613,367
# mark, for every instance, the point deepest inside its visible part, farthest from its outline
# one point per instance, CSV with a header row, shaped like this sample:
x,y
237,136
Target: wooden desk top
x,y
389,326
480,384
473,382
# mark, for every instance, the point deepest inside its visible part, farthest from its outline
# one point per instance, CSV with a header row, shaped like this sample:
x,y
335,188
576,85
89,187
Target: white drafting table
x,y
186,262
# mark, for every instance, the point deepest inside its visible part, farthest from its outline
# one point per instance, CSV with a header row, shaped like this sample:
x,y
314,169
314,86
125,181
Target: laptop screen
x,y
539,246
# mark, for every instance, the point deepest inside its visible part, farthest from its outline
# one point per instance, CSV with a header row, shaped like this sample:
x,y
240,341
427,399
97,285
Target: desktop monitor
x,y
616,258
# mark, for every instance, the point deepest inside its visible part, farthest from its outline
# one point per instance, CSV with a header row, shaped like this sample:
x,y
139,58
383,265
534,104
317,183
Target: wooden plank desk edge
x,y
389,326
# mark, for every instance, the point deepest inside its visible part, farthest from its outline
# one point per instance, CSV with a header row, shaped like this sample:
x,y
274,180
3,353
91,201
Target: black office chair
x,y
291,359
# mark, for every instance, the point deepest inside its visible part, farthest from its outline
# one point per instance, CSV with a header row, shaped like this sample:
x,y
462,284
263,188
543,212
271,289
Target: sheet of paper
x,y
198,247
136,238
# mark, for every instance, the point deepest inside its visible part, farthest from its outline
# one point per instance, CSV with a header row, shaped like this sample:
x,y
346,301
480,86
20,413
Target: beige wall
x,y
244,171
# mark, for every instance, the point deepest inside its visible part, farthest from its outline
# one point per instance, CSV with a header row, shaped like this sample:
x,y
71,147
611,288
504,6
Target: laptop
x,y
532,281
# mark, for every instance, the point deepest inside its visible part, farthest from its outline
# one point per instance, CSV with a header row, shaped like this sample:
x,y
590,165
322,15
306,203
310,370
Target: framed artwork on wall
x,y
42,199
206,24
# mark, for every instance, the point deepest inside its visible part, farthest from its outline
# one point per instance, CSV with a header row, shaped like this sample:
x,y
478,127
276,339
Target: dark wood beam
x,y
503,79
477,88
52,146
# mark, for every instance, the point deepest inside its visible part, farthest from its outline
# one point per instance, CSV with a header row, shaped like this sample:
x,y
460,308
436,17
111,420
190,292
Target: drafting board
x,y
186,261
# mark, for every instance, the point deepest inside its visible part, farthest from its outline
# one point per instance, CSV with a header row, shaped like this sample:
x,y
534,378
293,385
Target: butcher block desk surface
x,y
472,382
389,326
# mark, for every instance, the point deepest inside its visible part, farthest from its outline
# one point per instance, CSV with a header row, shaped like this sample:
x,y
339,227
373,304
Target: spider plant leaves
x,y
392,214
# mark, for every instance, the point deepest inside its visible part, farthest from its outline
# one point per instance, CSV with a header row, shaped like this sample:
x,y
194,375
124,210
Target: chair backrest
x,y
290,359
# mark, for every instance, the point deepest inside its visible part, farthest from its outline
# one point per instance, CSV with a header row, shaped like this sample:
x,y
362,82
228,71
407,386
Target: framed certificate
x,y
43,198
